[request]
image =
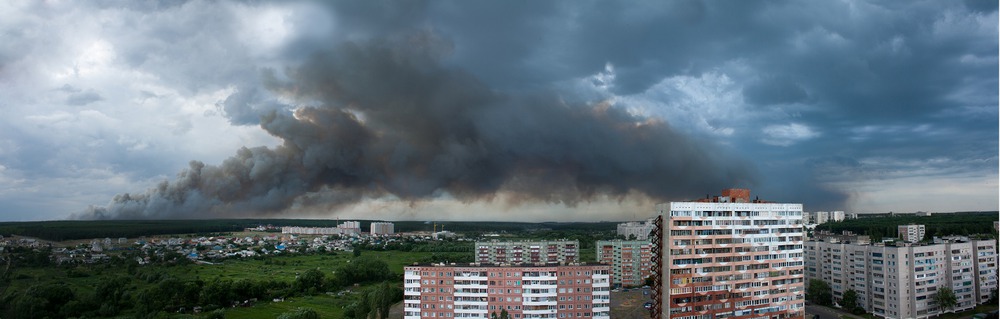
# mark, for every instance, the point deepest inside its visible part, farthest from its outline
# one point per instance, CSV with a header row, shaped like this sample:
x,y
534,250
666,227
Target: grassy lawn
x,y
325,306
984,308
286,268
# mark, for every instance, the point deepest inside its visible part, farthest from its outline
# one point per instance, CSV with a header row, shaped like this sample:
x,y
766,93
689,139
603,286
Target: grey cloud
x,y
774,91
248,104
392,121
83,98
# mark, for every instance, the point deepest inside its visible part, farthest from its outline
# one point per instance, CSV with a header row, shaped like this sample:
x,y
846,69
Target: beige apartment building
x,y
524,292
629,260
732,257
900,281
527,252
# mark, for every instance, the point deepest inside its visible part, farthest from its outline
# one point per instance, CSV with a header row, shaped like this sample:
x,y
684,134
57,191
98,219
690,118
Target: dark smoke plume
x,y
385,118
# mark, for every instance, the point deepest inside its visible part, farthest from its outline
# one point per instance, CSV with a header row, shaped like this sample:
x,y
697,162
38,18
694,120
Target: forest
x,y
943,224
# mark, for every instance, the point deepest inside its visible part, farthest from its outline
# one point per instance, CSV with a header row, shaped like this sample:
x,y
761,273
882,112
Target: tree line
x,y
936,225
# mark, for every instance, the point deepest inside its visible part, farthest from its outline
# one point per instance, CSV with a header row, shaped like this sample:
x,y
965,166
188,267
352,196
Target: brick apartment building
x,y
495,252
629,260
732,257
554,291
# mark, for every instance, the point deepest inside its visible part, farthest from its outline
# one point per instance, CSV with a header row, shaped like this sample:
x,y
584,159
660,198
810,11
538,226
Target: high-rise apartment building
x,y
629,260
382,228
527,252
442,291
732,257
837,216
911,233
901,281
635,230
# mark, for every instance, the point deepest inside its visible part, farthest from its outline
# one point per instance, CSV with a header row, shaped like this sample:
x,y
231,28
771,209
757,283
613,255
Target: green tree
x,y
111,296
850,301
363,269
945,298
382,297
311,281
503,314
374,302
217,292
300,313
819,293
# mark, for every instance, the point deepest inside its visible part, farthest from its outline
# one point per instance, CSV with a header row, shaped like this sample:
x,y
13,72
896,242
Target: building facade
x,y
382,228
901,281
911,233
571,291
495,252
635,230
629,260
732,257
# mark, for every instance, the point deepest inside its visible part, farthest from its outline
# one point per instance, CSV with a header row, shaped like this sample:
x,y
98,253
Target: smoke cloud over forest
x,y
385,118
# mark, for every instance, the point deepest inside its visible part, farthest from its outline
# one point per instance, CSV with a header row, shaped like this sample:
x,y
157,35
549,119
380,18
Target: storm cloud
x,y
384,117
555,110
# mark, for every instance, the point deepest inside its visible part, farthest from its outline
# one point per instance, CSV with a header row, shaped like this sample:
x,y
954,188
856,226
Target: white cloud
x,y
112,100
787,134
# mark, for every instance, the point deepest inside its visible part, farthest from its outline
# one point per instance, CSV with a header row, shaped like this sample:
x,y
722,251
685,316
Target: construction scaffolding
x,y
657,258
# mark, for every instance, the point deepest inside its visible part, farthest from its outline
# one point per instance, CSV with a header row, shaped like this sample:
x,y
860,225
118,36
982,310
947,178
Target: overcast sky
x,y
492,110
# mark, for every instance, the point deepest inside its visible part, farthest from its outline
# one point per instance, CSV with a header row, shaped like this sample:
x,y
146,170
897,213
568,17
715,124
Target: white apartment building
x,y
911,233
901,281
732,257
837,216
635,230
382,228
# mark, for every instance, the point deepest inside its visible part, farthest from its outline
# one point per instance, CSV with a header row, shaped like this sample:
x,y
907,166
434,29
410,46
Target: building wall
x,y
911,233
629,260
527,252
637,229
985,252
732,260
382,228
438,291
900,282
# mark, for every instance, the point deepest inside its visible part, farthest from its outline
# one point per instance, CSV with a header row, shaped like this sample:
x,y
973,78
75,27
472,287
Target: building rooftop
x,y
731,195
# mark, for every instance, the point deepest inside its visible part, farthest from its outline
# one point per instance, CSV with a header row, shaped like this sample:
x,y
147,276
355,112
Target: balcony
x,y
471,277
470,294
539,286
476,303
470,286
541,278
550,293
539,312
471,311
